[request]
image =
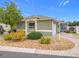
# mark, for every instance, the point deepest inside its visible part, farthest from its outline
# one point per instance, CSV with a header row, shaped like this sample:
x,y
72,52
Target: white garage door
x,y
54,29
77,29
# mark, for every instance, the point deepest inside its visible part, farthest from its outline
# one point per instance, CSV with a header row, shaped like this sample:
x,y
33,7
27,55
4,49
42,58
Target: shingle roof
x,y
35,17
41,18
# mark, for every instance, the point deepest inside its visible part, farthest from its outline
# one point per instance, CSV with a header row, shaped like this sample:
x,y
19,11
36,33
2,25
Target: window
x,y
21,25
31,25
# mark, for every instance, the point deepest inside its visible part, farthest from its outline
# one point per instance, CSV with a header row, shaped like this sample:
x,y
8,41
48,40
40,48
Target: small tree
x,y
10,15
74,23
13,15
2,17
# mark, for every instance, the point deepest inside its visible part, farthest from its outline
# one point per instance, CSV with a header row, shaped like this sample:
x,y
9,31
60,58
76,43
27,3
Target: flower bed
x,y
62,44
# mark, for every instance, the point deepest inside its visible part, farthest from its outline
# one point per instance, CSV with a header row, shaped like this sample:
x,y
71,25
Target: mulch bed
x,y
62,44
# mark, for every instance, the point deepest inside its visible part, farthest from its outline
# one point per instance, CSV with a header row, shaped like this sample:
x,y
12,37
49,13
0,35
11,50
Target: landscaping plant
x,y
18,36
12,15
15,36
7,37
45,40
34,35
70,31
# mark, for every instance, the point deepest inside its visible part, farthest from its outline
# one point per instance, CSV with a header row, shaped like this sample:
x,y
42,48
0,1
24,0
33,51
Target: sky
x,y
67,10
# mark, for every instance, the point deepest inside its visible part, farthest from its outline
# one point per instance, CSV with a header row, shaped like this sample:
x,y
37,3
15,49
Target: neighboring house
x,y
74,28
64,27
71,28
6,27
43,24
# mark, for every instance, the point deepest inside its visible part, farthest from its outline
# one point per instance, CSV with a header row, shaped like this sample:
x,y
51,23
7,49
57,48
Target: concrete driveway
x,y
75,39
72,37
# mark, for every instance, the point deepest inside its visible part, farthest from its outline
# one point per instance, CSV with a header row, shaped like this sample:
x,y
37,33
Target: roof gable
x,y
41,18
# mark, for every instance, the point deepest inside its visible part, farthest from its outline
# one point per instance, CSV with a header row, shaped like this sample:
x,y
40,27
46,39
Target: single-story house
x,y
43,24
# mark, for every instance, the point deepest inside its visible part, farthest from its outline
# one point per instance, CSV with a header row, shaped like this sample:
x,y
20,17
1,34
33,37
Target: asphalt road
x,y
5,54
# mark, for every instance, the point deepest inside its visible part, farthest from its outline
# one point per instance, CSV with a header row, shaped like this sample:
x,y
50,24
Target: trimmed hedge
x,y
34,35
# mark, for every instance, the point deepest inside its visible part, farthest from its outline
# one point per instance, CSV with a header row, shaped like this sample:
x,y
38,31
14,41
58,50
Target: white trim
x,y
52,28
35,25
26,27
31,20
44,30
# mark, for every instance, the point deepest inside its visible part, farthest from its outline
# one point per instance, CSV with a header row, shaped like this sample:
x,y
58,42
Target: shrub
x,y
14,30
18,36
15,36
7,37
22,33
34,35
45,40
70,31
67,31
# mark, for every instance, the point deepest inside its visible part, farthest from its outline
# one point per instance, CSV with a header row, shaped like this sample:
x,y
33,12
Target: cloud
x,y
64,2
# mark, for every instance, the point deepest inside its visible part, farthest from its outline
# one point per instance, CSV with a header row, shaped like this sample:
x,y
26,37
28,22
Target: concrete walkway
x,y
74,52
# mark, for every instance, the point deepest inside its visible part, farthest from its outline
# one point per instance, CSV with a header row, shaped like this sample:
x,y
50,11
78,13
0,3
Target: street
x,y
5,54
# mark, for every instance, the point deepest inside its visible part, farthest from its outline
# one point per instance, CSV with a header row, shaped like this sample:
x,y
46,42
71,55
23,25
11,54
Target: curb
x,y
17,49
37,51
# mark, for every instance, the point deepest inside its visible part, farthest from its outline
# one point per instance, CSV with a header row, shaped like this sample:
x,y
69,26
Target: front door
x,y
31,26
